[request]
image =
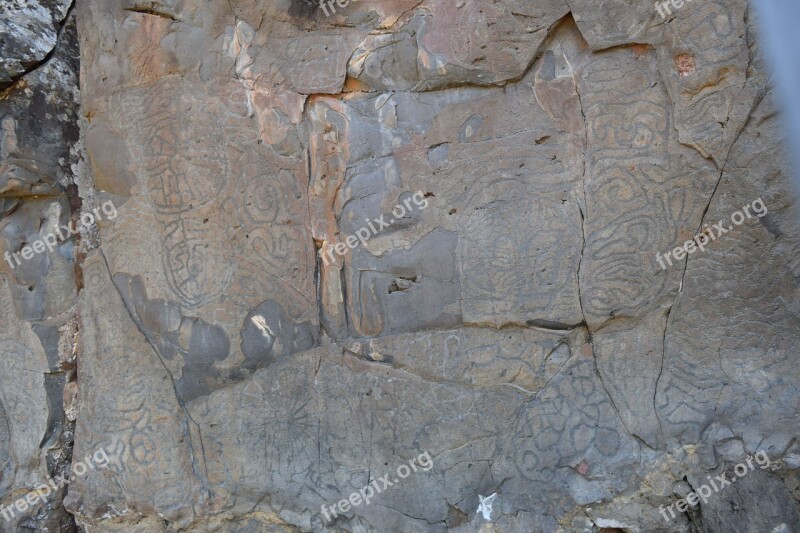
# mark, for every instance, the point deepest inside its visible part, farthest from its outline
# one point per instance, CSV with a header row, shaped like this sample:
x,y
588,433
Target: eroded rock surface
x,y
39,102
247,362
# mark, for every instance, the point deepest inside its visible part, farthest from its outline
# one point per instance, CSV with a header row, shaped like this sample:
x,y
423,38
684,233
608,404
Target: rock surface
x,y
253,346
39,107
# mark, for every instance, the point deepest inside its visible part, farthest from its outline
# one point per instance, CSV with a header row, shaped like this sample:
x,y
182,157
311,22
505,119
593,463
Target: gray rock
x,y
30,30
252,347
38,133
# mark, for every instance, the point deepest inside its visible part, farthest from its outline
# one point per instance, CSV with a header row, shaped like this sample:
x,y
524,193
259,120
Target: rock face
x,y
338,239
39,110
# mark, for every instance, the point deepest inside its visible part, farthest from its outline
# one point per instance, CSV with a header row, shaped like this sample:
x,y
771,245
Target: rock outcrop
x,y
39,108
339,238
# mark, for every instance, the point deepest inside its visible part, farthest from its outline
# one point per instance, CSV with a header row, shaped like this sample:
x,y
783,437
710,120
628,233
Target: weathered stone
x,y
139,420
452,43
29,30
38,285
354,234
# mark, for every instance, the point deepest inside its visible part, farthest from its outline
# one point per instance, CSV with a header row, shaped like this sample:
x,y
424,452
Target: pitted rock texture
x,y
39,106
514,324
30,32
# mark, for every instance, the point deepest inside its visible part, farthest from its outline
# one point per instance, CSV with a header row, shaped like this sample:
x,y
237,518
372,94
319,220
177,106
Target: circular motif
x,y
196,263
263,199
143,448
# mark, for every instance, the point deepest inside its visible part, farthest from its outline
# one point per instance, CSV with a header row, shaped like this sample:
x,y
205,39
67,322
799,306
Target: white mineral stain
x,y
485,507
261,324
